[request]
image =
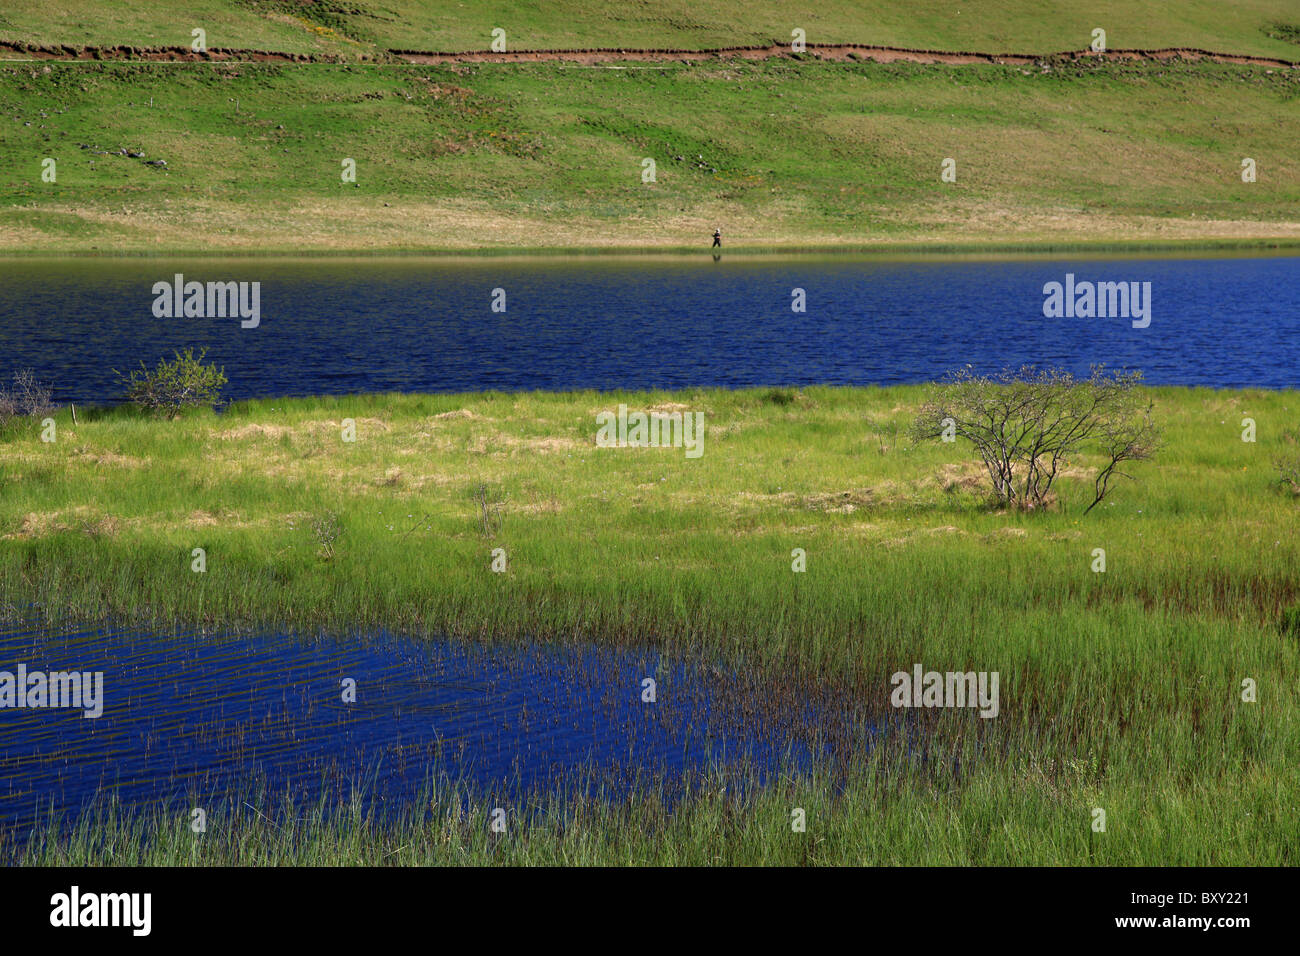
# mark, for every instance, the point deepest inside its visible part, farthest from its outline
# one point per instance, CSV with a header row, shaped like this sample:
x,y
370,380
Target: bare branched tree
x,y
489,511
326,529
1027,423
26,397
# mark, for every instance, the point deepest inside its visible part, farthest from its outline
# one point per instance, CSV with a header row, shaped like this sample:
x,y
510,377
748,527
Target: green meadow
x,y
785,153
1121,689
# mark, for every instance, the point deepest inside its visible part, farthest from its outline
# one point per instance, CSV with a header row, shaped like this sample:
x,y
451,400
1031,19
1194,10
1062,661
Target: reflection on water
x,y
188,716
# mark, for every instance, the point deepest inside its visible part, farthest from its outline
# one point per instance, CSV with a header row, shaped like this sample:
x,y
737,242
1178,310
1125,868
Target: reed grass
x,y
891,811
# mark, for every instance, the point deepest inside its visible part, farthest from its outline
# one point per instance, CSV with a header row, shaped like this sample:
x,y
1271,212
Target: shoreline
x,y
885,250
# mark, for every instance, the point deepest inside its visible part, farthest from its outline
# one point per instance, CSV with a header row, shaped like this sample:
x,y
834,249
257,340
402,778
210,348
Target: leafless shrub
x,y
887,436
489,511
326,529
26,397
1027,423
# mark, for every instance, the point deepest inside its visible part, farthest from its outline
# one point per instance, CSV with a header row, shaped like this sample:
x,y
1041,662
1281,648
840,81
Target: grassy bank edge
x,y
904,250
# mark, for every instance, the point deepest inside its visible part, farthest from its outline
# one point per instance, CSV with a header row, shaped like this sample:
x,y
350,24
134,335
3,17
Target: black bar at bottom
x,y
335,907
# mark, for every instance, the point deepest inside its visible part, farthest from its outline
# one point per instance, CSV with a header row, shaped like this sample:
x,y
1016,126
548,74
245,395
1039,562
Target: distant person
x,y
717,238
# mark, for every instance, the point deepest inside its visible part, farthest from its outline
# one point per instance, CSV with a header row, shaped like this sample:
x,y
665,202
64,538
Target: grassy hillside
x,y
777,152
1262,27
1120,689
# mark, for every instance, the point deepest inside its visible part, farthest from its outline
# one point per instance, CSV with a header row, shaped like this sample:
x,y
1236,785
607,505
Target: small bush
x,y
25,398
1287,32
326,530
183,382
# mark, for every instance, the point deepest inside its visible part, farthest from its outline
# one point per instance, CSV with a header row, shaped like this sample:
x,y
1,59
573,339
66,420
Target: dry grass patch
x,y
499,443
910,536
961,476
841,502
313,427
201,519
551,506
111,459
84,519
254,430
332,426
1010,533
888,492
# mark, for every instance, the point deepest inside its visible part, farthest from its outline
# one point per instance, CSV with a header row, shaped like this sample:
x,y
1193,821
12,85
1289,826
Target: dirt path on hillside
x,y
879,54
29,51
844,52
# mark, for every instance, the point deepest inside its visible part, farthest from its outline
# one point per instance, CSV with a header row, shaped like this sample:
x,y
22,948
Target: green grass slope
x,y
1261,27
778,152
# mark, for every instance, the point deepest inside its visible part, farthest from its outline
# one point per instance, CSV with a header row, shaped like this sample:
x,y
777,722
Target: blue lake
x,y
421,324
189,717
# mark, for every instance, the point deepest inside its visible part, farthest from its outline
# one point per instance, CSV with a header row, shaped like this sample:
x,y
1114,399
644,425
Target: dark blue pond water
x,y
427,325
198,718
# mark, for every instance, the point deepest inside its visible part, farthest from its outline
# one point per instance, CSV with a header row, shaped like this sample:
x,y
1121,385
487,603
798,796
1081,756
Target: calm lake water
x,y
340,326
191,717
